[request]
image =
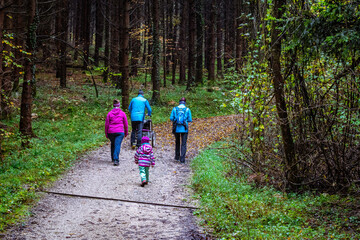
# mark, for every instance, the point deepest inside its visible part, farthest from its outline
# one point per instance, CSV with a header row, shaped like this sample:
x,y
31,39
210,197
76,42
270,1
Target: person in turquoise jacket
x,y
180,116
137,112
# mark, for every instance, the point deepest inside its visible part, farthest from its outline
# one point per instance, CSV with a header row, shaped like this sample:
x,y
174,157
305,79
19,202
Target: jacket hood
x,y
116,111
146,148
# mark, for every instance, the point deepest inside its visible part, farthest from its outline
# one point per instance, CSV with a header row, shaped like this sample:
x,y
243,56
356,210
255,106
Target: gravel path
x,y
67,217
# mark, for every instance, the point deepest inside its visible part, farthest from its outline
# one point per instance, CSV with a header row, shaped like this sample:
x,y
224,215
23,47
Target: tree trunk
x,y
107,42
155,71
2,15
137,20
86,13
29,73
239,7
183,42
192,44
278,83
212,41
63,32
199,42
164,43
124,53
19,41
219,38
99,31
114,38
174,34
229,33
6,80
78,25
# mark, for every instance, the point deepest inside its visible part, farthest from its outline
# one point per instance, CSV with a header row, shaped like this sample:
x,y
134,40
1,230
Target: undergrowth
x,y
67,123
233,208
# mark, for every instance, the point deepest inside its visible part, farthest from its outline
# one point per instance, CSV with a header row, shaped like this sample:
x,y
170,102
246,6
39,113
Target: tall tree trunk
x,y
239,8
278,83
229,33
114,32
212,49
99,25
2,16
174,34
6,80
219,38
199,42
155,71
78,26
164,43
29,73
107,42
19,41
137,20
124,53
192,44
86,13
183,42
62,27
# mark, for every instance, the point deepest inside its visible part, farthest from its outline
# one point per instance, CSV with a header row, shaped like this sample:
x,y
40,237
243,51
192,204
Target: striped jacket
x,y
144,156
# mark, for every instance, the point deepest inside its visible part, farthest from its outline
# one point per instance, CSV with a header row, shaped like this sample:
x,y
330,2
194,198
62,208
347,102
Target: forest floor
x,y
73,217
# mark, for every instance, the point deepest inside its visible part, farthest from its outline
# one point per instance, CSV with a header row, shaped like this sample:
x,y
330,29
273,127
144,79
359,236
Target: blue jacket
x,y
181,128
137,108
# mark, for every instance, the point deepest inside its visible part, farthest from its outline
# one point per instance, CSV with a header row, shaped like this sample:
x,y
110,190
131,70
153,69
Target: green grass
x,y
70,122
235,209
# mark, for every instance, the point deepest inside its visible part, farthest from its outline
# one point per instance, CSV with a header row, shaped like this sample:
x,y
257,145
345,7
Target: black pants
x,y
136,132
180,151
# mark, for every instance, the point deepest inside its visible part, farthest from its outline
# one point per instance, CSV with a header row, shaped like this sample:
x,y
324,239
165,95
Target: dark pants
x,y
137,127
115,139
180,152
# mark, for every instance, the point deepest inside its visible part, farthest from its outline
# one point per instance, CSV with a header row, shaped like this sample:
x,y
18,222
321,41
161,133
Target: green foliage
x,y
65,128
203,103
319,61
235,209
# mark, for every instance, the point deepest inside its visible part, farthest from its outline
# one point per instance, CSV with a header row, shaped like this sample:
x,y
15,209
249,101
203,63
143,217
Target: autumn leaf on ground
x,y
202,132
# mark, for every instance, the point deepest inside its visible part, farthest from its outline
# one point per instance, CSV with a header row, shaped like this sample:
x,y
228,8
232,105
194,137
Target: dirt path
x,y
66,217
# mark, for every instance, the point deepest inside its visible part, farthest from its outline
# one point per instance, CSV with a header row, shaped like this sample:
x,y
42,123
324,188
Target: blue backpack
x,y
181,116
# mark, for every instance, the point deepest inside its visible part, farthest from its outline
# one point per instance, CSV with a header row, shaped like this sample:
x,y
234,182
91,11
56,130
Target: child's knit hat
x,y
145,139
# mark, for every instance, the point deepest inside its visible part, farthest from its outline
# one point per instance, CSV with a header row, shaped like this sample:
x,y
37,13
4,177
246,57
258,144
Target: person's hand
x,y
152,166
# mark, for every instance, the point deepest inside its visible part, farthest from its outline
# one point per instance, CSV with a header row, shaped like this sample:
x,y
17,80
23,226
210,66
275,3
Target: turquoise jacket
x,y
181,128
137,108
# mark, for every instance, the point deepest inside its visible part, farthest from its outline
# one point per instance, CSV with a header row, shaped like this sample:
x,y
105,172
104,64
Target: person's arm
x,y
189,118
172,116
130,106
152,158
136,157
126,127
147,105
107,122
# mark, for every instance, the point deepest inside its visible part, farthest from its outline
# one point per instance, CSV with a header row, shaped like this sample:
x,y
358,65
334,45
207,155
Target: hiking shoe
x,y
143,183
116,163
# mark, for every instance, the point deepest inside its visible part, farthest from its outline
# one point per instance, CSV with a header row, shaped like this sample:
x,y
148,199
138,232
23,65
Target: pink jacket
x,y
144,155
116,122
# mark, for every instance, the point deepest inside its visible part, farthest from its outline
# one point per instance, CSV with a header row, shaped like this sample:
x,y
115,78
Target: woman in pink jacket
x,y
116,128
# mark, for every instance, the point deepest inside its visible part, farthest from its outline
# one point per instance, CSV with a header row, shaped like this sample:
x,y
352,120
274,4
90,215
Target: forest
x,y
288,70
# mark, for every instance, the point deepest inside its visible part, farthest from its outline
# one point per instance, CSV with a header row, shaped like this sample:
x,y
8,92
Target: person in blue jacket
x,y
137,112
180,116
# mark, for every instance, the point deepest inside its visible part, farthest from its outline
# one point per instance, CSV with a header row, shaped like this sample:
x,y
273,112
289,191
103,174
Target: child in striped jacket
x,y
144,156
